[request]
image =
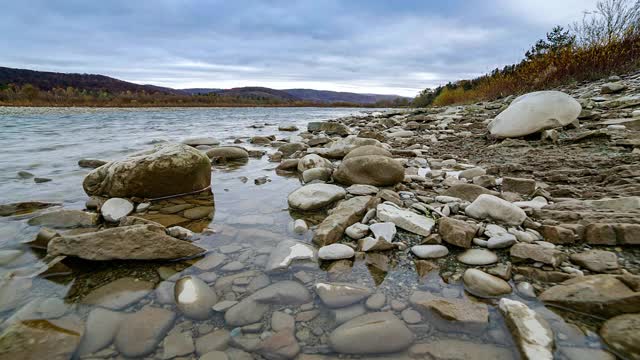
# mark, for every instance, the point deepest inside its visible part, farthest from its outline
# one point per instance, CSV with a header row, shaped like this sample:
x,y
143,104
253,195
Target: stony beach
x,y
497,230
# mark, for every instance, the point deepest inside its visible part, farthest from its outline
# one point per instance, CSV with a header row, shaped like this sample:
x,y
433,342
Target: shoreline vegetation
x,y
606,42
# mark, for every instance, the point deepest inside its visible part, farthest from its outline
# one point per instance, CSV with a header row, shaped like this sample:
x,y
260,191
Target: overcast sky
x,y
392,47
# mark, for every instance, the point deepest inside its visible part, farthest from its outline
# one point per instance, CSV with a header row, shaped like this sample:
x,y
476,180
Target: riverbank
x,y
437,230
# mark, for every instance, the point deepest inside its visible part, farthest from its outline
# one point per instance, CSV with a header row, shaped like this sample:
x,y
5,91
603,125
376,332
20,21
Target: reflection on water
x,y
92,309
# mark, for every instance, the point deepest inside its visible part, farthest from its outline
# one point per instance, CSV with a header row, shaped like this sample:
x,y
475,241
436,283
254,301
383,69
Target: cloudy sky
x,y
392,47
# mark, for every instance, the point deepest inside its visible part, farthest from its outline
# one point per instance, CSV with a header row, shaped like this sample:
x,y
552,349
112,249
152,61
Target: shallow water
x,y
249,221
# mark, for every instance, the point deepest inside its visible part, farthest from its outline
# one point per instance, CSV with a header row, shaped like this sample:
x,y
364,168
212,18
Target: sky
x,y
366,46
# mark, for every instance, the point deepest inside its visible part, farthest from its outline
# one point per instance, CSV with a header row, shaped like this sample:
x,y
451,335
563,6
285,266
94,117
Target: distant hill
x,y
47,81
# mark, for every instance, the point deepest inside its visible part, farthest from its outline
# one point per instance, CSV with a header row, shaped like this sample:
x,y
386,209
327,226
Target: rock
x,y
557,234
347,213
214,341
375,333
468,192
478,257
623,203
179,232
462,310
383,231
287,127
517,185
337,295
40,180
357,231
335,252
315,196
25,175
451,349
321,174
367,150
362,190
7,256
282,321
429,251
612,88
137,242
596,260
199,212
91,163
330,128
118,294
288,252
196,141
313,161
194,298
178,344
164,170
370,244
373,170
100,330
501,241
457,232
300,226
622,334
404,219
252,308
376,301
605,295
288,165
539,253
492,207
472,173
41,339
612,234
218,355
530,331
24,207
114,209
141,331
65,219
280,346
534,112
484,285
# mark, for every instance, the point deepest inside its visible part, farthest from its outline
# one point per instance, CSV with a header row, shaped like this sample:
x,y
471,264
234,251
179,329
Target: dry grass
x,y
572,64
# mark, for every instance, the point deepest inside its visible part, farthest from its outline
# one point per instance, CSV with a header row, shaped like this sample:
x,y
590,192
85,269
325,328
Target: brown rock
x,y
622,333
373,170
558,234
462,310
539,253
518,185
41,339
457,232
344,215
596,260
468,192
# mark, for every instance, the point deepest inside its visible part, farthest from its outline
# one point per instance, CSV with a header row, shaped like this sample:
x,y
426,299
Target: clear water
x,y
49,142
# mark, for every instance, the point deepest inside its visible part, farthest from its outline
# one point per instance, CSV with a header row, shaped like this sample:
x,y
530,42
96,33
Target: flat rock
x,y
478,257
347,213
375,333
622,334
119,294
429,251
142,331
100,330
41,339
315,196
336,252
288,252
462,310
65,219
137,242
451,349
596,260
337,295
539,253
468,192
404,219
530,331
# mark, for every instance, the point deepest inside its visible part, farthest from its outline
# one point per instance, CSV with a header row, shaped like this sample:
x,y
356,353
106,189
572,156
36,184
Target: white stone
x,y
288,251
313,161
430,251
501,241
115,209
385,231
315,196
492,207
537,203
361,189
194,298
335,252
404,219
357,231
370,244
478,257
180,233
531,332
534,112
300,226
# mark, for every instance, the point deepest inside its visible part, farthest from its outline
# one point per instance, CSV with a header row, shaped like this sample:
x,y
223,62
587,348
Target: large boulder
x,y
137,242
315,196
373,170
534,112
164,170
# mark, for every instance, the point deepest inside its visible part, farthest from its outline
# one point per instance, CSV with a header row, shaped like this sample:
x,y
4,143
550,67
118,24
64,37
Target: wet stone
x,y
119,294
478,257
194,298
141,332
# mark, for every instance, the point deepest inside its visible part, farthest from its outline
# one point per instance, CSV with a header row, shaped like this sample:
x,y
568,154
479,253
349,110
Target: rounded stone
x,y
430,251
194,298
313,161
367,150
481,284
115,209
622,333
373,170
374,333
315,196
335,252
478,257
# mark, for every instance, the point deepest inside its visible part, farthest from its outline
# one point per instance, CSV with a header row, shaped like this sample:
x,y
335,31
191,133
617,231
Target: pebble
x,y
478,257
430,251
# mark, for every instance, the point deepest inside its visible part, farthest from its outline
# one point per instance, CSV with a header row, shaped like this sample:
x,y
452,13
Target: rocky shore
x,y
502,230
